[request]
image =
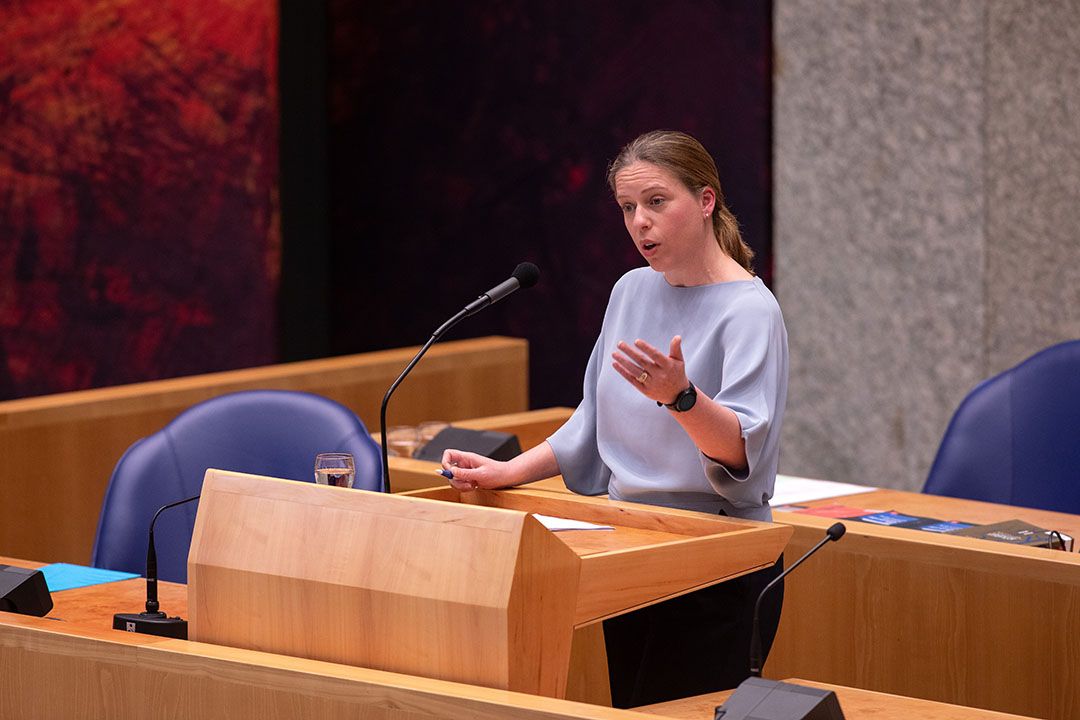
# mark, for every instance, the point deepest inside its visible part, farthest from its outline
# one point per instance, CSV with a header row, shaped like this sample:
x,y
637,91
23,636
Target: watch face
x,y
686,400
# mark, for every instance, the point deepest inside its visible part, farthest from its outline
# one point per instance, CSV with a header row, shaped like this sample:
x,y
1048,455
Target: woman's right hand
x,y
472,471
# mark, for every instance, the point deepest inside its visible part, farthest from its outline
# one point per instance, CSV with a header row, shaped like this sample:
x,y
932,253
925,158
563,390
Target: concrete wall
x,y
927,216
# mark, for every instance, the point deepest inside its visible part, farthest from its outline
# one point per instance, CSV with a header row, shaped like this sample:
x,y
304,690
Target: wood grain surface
x,y
856,705
955,619
59,450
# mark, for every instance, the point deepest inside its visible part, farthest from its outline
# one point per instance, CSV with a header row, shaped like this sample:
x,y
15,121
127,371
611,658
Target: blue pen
x,y
445,473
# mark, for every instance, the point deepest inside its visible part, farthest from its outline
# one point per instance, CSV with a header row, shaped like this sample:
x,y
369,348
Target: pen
x,y
445,473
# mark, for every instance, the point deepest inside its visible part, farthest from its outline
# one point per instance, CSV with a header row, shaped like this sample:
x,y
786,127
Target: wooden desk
x,y
59,450
532,428
954,619
75,666
856,704
79,667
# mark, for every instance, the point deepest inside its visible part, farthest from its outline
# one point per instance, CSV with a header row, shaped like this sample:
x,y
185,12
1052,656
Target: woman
x,y
683,399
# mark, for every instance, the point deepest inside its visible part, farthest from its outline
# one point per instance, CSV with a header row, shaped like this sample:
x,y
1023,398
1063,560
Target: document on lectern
x,y
555,524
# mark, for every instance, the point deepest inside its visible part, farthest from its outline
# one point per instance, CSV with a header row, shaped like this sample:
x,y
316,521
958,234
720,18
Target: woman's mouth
x,y
648,248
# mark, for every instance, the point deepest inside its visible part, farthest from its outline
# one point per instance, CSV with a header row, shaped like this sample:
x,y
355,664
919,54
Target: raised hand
x,y
657,376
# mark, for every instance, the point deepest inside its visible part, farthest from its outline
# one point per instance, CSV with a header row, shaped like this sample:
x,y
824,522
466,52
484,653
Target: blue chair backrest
x,y
1015,438
263,432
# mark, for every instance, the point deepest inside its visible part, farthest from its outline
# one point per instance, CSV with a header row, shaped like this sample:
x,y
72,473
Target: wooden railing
x,y
58,451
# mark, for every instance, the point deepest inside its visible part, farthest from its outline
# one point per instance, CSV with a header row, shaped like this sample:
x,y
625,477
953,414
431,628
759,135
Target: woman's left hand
x,y
657,376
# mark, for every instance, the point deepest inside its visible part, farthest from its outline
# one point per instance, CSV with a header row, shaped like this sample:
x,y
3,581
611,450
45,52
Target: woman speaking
x,y
683,399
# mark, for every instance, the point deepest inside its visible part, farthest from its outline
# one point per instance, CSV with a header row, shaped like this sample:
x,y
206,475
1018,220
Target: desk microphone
x,y
525,275
153,621
770,700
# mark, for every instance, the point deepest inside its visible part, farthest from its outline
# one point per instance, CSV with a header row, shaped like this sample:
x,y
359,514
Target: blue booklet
x,y
62,576
888,518
943,526
913,522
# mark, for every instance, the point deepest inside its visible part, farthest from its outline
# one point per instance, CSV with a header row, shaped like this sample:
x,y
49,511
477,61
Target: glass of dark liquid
x,y
335,469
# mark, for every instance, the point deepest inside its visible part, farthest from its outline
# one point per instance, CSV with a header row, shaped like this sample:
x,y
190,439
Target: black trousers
x,y
693,644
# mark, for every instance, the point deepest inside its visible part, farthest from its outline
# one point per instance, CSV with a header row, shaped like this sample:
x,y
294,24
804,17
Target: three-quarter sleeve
x,y
574,444
753,386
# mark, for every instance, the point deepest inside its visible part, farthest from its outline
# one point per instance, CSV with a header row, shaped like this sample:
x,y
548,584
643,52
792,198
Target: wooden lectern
x,y
468,587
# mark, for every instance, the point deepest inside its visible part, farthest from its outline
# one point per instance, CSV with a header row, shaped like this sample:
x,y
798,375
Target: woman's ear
x,y
708,201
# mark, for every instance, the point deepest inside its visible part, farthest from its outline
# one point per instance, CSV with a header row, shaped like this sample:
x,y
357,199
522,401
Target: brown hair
x,y
690,162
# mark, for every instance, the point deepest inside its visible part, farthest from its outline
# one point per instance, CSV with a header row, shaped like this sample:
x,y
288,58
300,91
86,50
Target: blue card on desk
x,y
943,526
888,518
62,576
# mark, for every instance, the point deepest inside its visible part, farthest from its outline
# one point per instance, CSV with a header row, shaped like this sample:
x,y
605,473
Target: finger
x,y
462,485
466,475
626,373
465,459
655,356
636,356
676,347
631,377
623,362
449,459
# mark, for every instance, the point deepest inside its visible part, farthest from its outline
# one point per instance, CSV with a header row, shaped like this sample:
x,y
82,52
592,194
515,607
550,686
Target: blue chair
x,y
1015,439
263,432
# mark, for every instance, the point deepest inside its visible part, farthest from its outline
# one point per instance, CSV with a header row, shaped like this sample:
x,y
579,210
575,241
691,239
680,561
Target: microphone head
x,y
526,274
836,531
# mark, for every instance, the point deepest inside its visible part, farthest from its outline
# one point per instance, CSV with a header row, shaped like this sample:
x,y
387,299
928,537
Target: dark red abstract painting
x,y
138,176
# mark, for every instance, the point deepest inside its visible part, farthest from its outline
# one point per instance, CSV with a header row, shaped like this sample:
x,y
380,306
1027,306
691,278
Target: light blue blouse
x,y
735,346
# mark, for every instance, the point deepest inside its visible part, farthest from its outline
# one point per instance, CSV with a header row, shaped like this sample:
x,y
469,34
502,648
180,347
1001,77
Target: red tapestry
x,y
138,180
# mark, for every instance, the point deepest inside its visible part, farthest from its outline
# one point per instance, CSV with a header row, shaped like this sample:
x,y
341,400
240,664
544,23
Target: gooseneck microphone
x,y
153,621
524,276
835,532
762,699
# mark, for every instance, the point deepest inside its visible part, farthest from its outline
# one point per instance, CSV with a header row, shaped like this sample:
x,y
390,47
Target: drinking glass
x,y
402,440
337,469
430,429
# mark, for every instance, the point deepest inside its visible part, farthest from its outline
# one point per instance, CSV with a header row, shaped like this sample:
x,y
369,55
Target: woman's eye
x,y
627,208
657,201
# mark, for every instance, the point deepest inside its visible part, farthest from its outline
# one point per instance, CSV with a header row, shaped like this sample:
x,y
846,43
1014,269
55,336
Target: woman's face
x,y
669,224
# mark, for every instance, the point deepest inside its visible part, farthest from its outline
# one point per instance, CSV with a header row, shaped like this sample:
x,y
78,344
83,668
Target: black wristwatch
x,y
683,401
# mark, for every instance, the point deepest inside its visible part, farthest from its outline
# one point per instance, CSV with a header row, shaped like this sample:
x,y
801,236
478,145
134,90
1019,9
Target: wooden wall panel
x,y
58,451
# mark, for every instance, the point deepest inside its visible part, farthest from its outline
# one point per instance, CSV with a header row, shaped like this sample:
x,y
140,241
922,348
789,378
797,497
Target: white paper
x,y
792,490
555,524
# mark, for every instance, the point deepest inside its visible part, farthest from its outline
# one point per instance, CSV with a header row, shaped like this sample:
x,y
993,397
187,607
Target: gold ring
x,y
643,377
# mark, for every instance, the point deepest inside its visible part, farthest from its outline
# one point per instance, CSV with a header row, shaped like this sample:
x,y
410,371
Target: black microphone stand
x,y
770,700
525,275
462,314
153,621
835,532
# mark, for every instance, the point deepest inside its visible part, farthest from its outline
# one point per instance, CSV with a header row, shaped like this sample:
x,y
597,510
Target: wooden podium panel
x,y
466,587
455,592
653,553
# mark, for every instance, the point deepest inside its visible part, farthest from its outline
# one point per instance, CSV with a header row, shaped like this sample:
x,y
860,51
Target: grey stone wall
x,y
927,216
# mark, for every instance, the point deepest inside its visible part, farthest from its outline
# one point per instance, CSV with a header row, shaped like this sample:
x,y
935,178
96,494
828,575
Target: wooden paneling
x,y
652,554
460,586
856,705
58,451
960,620
56,671
444,590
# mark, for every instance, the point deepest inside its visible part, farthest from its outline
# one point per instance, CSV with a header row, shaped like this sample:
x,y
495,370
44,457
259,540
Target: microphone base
x,y
151,624
762,699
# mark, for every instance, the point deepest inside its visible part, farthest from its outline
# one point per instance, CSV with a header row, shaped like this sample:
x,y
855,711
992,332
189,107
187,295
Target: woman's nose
x,y
641,218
